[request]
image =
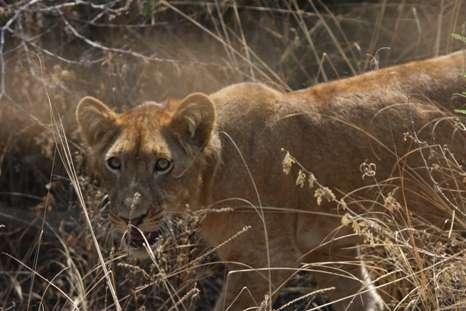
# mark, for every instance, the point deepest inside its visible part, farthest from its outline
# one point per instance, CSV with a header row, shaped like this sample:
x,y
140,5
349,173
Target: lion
x,y
223,153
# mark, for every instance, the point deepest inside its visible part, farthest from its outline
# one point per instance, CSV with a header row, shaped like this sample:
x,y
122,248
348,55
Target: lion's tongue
x,y
135,238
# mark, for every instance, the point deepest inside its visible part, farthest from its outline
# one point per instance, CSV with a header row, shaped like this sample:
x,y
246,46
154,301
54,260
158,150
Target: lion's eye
x,y
162,165
114,163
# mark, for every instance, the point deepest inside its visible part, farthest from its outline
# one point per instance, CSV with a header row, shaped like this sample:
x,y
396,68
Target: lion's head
x,y
153,160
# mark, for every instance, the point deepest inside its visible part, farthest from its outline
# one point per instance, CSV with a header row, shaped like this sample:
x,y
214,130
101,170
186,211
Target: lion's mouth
x,y
135,238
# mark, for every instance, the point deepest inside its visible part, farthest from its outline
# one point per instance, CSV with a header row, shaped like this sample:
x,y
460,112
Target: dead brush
x,y
174,278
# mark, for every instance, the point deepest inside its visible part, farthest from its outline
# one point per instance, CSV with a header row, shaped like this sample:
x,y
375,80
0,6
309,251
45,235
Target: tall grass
x,y
127,52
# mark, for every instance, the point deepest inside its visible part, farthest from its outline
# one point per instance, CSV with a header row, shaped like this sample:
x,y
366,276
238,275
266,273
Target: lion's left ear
x,y
95,119
194,120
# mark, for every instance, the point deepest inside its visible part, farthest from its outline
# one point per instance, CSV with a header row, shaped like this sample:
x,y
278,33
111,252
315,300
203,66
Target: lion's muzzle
x,y
136,232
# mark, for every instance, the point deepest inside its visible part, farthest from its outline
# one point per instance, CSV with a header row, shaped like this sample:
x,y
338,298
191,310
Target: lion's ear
x,y
95,119
194,120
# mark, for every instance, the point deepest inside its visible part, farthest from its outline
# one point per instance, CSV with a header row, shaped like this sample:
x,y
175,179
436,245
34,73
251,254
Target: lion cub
x,y
226,150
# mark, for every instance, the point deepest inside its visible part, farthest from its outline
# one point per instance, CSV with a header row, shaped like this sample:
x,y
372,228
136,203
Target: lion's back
x,y
334,127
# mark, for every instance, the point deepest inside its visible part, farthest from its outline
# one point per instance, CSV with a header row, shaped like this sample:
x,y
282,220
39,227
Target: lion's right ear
x,y
194,120
95,119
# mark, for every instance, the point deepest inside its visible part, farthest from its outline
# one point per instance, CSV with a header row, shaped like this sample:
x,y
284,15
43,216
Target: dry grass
x,y
414,263
55,249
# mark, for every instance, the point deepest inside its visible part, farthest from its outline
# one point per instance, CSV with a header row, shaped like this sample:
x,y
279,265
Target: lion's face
x,y
150,159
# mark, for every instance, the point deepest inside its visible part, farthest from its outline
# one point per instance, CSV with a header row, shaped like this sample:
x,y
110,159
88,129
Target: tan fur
x,y
227,152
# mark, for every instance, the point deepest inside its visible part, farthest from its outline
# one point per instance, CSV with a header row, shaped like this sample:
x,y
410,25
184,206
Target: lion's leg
x,y
353,289
247,288
242,290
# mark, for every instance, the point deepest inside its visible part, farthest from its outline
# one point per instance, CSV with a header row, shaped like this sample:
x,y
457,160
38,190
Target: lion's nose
x,y
133,202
